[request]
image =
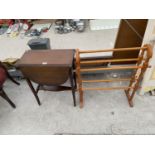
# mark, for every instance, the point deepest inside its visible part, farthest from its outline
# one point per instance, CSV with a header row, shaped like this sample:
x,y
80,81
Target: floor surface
x,y
104,112
101,39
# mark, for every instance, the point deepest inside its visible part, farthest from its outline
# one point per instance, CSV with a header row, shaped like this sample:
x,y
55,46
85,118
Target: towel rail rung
x,y
104,61
110,68
107,88
113,50
108,80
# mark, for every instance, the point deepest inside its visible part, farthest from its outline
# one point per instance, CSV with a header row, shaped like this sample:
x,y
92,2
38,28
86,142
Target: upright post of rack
x,y
142,63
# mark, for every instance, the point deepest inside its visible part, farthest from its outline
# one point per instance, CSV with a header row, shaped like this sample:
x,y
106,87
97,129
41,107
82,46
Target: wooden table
x,y
37,66
54,57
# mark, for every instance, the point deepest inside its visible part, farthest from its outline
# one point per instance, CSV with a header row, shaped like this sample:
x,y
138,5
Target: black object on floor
x,y
40,43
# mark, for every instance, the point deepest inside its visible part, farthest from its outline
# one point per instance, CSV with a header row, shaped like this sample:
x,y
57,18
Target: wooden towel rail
x,y
140,67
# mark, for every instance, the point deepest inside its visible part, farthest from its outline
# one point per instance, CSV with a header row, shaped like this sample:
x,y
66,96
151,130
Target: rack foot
x,y
81,99
129,100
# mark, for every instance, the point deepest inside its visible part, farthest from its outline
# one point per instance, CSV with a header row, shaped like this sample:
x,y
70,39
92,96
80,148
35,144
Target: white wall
x,y
148,82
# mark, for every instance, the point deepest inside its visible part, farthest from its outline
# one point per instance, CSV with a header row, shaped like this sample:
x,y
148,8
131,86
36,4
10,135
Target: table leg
x,y
72,87
33,91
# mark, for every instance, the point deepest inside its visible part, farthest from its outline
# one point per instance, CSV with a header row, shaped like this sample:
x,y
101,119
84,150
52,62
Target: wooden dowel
x,y
103,61
110,80
113,50
107,88
111,68
79,78
129,99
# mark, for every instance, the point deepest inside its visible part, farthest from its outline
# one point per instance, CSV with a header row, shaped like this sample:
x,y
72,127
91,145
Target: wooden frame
x,y
72,87
141,64
50,70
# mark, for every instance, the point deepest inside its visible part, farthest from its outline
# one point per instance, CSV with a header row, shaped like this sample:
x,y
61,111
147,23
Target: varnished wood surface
x,y
48,68
130,34
140,67
46,75
114,50
107,88
107,80
110,68
108,60
59,57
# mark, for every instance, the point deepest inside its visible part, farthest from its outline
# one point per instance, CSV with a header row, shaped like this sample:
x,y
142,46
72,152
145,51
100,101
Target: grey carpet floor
x,y
104,112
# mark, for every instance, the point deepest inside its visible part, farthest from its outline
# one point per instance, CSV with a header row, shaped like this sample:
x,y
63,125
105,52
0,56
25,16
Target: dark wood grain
x,y
49,69
57,57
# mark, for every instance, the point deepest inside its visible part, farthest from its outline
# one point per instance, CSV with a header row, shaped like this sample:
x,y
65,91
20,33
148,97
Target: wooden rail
x,y
105,61
110,68
108,80
113,50
108,88
141,65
